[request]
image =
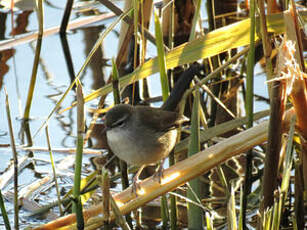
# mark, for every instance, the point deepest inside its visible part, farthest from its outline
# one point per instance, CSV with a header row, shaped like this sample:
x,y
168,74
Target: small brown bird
x,y
141,135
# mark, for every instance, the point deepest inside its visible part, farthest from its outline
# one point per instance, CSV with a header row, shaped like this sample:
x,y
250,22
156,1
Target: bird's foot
x,y
158,175
135,185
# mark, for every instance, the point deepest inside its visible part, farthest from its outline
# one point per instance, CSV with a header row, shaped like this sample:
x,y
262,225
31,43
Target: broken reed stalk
x,y
290,81
299,100
77,205
297,84
178,174
298,92
277,105
15,159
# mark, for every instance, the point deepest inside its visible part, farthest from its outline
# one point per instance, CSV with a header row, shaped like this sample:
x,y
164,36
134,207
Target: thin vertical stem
x,y
215,63
164,212
104,181
275,126
4,213
165,95
249,107
172,198
116,95
161,58
54,171
66,16
195,20
40,16
15,159
195,213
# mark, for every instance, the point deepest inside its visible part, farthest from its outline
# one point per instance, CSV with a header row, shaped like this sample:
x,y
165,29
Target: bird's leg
x,y
136,181
159,172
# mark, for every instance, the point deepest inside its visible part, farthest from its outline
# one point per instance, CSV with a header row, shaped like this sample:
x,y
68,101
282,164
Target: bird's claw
x,y
135,186
158,175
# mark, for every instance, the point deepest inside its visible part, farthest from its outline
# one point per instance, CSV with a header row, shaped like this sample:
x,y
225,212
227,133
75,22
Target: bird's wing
x,y
161,120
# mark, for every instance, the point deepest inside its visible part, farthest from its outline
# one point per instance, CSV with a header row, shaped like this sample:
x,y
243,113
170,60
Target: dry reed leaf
x,y
287,68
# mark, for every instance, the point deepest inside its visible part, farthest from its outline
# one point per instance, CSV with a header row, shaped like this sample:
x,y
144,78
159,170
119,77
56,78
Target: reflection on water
x,y
56,71
54,74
